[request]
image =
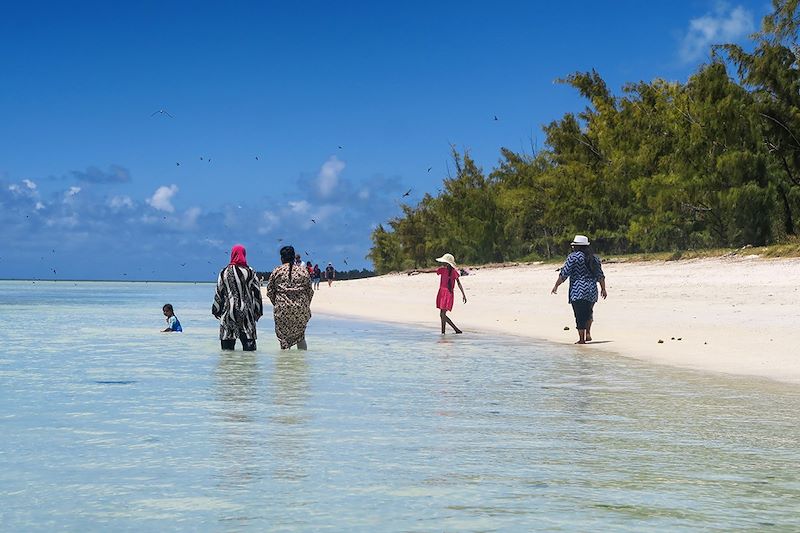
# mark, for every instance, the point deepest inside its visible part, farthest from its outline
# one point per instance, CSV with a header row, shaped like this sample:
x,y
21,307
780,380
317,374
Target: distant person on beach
x,y
444,299
316,276
237,302
298,260
173,324
330,274
289,290
584,271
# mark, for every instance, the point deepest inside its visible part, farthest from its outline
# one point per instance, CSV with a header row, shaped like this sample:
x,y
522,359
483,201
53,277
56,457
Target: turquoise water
x,y
108,425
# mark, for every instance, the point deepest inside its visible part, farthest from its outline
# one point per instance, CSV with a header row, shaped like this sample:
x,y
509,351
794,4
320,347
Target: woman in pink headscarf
x,y
237,302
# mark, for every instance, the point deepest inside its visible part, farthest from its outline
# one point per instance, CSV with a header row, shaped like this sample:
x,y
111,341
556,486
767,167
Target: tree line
x,y
712,162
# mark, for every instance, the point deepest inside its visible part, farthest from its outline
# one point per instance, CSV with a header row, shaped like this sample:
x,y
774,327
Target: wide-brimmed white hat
x,y
580,240
447,258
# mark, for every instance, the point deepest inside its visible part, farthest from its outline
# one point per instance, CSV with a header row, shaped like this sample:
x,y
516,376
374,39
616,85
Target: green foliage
x,y
663,167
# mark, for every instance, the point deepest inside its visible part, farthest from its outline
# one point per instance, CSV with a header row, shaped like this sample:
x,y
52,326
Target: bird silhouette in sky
x,y
345,261
280,240
407,193
177,164
340,147
429,169
314,221
162,112
495,117
183,264
201,158
256,158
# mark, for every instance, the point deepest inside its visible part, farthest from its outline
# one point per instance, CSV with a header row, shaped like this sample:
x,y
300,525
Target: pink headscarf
x,y
238,256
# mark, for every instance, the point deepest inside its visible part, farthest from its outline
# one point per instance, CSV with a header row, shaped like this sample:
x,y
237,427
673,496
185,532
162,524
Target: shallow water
x,y
107,424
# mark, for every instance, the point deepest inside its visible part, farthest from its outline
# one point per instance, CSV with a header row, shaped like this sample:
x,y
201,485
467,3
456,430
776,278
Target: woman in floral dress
x,y
289,289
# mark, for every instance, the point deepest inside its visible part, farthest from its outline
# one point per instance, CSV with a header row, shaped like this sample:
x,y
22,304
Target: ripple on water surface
x,y
108,424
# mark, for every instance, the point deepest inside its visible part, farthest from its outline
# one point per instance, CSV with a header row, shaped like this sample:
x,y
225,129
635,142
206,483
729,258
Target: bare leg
x,y
582,336
445,318
589,330
301,344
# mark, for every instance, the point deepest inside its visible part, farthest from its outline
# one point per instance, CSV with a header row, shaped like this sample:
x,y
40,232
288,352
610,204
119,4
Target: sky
x,y
141,140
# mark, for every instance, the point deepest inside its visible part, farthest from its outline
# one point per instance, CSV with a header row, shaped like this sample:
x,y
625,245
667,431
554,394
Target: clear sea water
x,y
108,425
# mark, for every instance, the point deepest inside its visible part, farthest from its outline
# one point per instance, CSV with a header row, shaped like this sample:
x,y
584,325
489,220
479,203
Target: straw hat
x,y
447,258
580,240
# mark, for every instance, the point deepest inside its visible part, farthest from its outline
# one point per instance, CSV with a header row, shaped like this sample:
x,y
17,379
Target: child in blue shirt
x,y
173,324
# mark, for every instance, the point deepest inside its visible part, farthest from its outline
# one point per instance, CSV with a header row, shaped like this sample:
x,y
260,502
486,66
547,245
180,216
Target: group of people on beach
x,y
238,304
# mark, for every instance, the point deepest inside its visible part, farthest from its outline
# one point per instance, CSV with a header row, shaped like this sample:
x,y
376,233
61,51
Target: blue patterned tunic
x,y
582,283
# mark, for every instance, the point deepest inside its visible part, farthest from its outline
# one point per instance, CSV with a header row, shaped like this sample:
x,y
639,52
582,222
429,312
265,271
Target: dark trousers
x,y
248,345
583,312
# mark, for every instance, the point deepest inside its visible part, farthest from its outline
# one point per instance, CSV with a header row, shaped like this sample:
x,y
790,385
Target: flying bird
x,y
183,264
314,221
162,112
177,164
201,158
340,147
345,261
407,193
256,158
495,117
429,169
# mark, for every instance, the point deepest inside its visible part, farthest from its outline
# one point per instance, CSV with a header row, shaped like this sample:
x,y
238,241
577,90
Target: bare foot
x,y
458,331
588,338
580,342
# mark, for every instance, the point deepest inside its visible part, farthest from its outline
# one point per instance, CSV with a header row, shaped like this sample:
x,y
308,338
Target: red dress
x,y
447,284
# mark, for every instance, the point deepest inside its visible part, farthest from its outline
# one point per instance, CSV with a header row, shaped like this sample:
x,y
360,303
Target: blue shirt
x,y
582,283
174,324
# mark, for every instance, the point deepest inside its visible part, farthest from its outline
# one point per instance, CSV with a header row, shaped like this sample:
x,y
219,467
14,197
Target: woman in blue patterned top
x,y
584,271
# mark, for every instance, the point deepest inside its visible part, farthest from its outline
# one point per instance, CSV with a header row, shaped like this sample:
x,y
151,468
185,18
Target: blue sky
x,y
283,113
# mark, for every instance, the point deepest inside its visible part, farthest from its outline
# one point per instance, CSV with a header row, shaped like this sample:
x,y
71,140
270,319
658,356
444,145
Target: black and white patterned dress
x,y
291,299
237,302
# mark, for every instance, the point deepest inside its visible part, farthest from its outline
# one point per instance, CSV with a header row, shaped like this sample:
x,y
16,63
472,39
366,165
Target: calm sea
x,y
108,425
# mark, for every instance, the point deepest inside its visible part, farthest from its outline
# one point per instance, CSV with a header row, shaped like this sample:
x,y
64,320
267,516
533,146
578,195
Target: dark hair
x,y
287,256
450,281
588,258
168,306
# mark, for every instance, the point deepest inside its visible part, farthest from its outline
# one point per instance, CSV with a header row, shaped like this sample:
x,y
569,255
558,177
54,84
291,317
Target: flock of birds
x,y
167,114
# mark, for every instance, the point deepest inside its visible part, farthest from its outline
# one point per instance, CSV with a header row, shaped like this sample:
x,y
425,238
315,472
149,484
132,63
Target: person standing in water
x,y
444,298
289,290
237,302
584,271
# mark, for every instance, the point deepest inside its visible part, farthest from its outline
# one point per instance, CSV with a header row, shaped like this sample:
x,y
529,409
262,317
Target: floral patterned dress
x,y
291,300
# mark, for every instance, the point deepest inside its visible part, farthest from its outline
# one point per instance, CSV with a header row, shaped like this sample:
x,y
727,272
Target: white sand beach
x,y
735,315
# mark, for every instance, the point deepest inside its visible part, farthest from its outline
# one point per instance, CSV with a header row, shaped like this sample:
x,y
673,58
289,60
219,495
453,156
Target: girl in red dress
x,y
444,299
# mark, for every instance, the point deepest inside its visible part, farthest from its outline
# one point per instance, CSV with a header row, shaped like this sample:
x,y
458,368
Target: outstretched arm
x,y
559,281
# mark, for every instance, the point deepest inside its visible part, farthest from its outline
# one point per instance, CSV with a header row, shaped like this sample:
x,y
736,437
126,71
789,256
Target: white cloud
x,y
39,206
363,194
162,198
300,207
328,176
723,25
13,188
31,185
191,216
118,202
71,193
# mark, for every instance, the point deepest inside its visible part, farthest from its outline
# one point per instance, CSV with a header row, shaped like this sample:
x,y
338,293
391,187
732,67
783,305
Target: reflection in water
x,y
290,418
241,452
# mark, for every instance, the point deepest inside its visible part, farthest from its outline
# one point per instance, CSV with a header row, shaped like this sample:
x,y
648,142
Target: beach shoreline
x,y
731,315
